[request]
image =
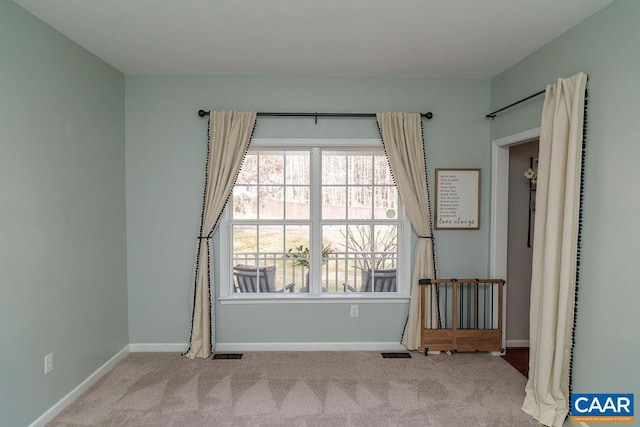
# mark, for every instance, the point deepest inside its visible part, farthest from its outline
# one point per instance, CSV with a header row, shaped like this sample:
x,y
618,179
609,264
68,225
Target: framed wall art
x,y
457,199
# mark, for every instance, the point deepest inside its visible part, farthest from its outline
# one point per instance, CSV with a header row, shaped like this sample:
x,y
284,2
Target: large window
x,y
315,220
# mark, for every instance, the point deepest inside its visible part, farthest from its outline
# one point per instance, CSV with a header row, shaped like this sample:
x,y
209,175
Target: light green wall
x,y
62,215
63,259
165,156
607,48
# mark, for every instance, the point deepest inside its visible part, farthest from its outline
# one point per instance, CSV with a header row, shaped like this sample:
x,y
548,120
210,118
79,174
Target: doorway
x,y
500,214
520,242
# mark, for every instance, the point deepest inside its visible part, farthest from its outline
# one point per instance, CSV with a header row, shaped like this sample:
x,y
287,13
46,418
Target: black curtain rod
x,y
493,114
428,116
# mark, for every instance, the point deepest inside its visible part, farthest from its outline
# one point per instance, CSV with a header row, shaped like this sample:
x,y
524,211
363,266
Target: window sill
x,y
313,299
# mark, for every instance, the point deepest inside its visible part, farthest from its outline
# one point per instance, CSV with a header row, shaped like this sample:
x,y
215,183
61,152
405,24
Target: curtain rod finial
x,y
202,113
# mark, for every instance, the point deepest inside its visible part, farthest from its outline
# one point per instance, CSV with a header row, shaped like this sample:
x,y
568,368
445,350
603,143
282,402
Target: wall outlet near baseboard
x,y
48,363
354,311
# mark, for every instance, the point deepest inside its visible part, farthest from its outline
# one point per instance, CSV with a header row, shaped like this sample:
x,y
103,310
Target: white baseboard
x,y
51,413
158,347
311,346
276,346
517,343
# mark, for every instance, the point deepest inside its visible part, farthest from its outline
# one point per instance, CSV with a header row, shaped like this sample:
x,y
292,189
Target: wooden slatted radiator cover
x,y
466,314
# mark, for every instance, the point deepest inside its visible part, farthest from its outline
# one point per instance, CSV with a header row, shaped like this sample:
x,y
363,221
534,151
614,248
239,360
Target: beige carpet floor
x,y
304,389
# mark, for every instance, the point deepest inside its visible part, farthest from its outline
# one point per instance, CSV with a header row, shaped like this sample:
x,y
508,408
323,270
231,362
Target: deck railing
x,y
338,268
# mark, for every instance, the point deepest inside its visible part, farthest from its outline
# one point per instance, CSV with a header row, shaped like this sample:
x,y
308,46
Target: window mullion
x,y
373,216
315,263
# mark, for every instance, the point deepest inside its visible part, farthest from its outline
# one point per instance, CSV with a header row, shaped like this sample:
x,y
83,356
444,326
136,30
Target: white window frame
x,y
403,280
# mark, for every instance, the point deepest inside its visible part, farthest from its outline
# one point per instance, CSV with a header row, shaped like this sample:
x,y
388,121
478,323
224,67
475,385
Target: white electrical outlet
x,y
48,363
354,311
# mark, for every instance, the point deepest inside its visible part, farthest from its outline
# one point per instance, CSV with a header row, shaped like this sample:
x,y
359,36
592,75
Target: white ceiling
x,y
417,38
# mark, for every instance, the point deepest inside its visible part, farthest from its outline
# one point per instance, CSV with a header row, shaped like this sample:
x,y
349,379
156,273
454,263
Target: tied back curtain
x,y
555,251
402,139
229,137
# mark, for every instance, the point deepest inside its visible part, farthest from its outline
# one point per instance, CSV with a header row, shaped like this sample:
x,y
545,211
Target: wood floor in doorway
x,y
518,357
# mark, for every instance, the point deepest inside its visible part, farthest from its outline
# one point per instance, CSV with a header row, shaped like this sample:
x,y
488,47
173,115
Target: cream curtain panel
x,y
555,251
402,139
229,137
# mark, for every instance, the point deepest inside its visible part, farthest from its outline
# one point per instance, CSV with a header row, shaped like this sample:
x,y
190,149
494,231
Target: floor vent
x,y
227,356
396,355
